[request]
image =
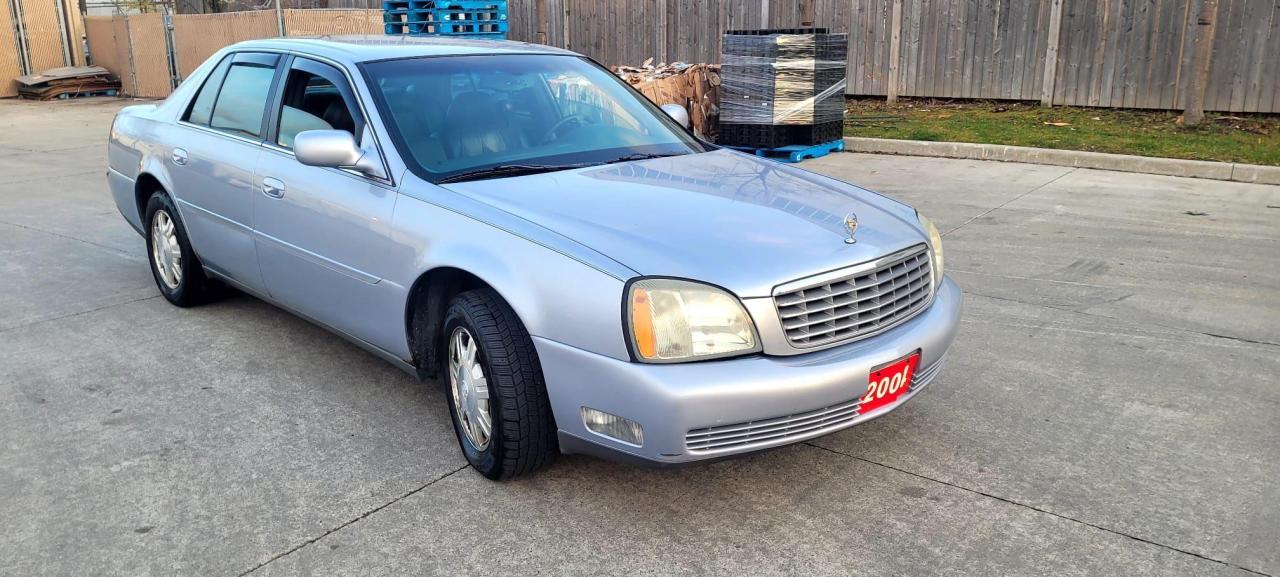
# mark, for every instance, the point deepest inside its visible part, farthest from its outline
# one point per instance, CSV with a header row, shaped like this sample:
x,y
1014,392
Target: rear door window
x,y
242,102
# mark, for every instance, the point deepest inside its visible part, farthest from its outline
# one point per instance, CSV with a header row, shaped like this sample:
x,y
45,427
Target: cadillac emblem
x,y
851,225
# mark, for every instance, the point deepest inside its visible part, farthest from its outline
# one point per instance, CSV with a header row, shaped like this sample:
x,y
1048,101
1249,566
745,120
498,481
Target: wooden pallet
x,y
795,152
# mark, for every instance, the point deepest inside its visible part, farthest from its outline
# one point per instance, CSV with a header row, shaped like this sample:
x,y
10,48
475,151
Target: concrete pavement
x,y
1110,408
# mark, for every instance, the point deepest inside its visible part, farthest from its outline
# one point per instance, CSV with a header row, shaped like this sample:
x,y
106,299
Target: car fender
x,y
555,295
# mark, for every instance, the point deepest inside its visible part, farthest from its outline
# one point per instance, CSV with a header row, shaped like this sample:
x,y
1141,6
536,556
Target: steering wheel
x,y
573,119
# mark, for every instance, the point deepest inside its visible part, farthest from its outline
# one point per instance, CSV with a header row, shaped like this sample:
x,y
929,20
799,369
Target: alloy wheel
x,y
470,388
166,254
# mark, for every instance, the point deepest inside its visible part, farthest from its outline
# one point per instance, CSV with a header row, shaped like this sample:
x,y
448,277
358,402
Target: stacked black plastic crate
x,y
782,87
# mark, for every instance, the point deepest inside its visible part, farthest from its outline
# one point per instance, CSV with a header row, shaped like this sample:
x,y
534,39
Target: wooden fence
x,y
1111,53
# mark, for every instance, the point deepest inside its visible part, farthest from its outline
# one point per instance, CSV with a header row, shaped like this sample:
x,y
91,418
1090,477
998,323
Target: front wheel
x,y
497,398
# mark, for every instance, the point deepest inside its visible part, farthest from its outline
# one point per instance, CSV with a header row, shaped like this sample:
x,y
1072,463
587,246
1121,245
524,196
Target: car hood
x,y
731,219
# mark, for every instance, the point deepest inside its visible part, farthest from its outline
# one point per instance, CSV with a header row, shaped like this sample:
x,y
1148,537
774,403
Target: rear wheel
x,y
497,398
178,273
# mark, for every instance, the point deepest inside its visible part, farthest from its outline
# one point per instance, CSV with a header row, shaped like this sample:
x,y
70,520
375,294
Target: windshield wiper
x,y
502,170
642,156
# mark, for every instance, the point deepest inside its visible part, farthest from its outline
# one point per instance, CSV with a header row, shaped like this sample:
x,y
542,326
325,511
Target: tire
x,y
185,284
522,430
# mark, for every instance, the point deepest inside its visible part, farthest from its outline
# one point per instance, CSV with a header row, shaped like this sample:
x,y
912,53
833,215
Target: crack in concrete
x,y
1118,319
355,520
75,314
1010,201
64,175
1013,277
1045,511
18,151
112,250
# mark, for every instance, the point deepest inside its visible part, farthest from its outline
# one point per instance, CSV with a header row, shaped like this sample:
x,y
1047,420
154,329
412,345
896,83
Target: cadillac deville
x,y
582,272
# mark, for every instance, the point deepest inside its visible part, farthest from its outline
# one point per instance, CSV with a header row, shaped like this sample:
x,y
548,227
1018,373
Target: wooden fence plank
x,y
1219,75
1051,55
945,31
858,46
1013,50
895,51
1165,56
911,68
982,47
966,51
1231,94
1258,56
1269,99
1249,12
935,30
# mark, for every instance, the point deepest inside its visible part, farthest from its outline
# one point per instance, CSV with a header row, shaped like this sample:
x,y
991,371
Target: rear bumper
x,y
786,399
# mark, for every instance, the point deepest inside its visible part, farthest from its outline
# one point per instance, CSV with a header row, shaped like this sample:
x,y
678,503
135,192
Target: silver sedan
x,y
584,273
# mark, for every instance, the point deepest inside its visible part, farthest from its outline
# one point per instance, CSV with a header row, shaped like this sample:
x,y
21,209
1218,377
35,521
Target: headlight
x,y
935,244
674,320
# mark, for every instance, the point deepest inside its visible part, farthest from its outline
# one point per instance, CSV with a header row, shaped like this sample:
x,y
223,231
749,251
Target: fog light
x,y
613,426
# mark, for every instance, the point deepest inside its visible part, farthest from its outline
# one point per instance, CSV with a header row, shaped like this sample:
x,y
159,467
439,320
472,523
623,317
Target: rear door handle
x,y
272,187
179,157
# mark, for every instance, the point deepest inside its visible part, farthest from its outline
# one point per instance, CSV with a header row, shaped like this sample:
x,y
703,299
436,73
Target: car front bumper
x,y
759,402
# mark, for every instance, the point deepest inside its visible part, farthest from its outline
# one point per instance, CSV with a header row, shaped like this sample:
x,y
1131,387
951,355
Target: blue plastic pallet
x,y
457,18
500,5
454,5
795,152
476,28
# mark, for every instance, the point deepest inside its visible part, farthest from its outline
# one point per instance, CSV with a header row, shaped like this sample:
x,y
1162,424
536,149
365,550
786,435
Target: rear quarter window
x,y
202,108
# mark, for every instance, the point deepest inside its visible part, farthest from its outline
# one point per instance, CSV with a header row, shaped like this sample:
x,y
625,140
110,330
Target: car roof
x,y
383,47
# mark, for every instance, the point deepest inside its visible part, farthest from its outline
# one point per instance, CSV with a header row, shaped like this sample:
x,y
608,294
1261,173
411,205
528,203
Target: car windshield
x,y
459,116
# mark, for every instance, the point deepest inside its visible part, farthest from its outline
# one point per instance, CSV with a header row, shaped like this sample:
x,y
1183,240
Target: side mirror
x,y
335,149
678,113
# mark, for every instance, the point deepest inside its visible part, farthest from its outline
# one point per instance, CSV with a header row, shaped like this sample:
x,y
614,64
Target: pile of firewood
x,y
694,86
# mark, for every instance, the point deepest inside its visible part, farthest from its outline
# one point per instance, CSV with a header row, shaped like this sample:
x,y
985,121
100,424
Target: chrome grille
x,y
799,426
867,300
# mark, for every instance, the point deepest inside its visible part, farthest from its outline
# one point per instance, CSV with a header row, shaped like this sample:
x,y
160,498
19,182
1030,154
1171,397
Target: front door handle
x,y
179,157
272,187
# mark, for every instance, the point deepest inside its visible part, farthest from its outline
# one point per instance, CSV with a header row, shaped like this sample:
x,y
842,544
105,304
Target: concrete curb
x,y
1120,162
